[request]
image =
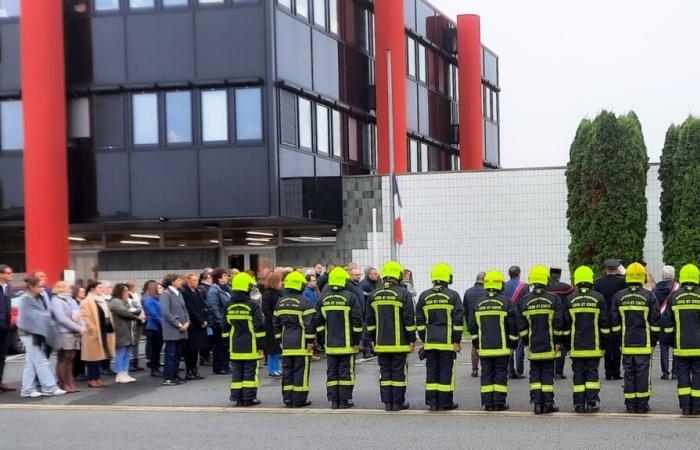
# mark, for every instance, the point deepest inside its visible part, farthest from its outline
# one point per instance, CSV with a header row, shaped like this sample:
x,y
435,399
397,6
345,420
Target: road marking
x,y
359,412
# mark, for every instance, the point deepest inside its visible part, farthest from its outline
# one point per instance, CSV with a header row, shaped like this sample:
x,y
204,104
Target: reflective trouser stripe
x,y
393,383
500,388
438,387
487,389
638,394
684,391
547,388
579,388
535,386
244,384
592,384
695,393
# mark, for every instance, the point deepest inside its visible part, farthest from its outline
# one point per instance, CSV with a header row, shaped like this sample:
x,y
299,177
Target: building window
x,y
333,16
320,13
337,135
411,56
210,2
11,125
170,3
248,114
455,162
145,118
9,8
422,69
423,157
214,116
285,3
304,115
353,143
288,118
322,130
106,5
178,117
142,4
79,118
413,155
302,7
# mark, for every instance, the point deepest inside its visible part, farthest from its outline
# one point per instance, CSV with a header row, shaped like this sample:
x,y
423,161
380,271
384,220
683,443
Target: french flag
x,y
664,304
398,227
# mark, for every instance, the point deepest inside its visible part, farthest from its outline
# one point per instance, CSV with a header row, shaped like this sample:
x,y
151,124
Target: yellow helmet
x,y
539,275
392,269
295,281
441,272
690,274
493,280
338,277
242,282
583,274
636,273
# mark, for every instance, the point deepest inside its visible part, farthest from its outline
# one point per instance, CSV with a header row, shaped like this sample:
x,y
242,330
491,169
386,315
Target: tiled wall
x,y
482,220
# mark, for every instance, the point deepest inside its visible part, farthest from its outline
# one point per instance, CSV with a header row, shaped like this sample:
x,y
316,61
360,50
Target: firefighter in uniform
x,y
635,314
494,334
586,330
540,321
340,327
391,323
440,323
295,327
244,329
682,330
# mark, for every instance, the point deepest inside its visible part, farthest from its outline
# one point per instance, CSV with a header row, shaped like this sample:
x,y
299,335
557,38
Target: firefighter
x,y
682,328
638,310
340,327
244,328
494,334
391,323
540,323
440,323
586,330
294,324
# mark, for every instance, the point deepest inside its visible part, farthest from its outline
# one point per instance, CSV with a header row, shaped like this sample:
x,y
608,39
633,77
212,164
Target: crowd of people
x,y
289,317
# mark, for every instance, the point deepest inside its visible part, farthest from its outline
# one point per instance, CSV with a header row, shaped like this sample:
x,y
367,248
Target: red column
x,y
45,165
471,119
390,34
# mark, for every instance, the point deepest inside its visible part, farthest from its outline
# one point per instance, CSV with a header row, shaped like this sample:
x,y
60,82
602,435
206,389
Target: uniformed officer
x,y
340,327
391,323
440,323
682,326
540,321
244,330
609,285
586,330
294,324
635,315
494,333
560,289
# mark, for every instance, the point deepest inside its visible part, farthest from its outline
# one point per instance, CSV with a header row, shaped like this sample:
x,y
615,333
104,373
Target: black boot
x,y
433,408
550,407
687,412
537,408
450,408
335,405
592,407
505,407
399,407
580,409
345,404
388,406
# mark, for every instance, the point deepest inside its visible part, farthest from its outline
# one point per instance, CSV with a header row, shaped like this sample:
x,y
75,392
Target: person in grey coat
x,y
176,321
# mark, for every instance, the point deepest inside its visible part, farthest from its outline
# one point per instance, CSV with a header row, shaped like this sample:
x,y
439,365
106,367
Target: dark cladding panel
x,y
293,50
326,64
112,185
164,184
9,57
109,121
234,182
11,188
230,43
108,50
160,47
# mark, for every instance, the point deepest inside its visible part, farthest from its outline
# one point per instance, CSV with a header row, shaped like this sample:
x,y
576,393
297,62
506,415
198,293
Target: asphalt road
x,y
213,392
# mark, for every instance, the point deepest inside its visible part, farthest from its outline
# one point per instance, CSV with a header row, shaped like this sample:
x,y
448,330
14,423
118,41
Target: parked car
x,y
16,345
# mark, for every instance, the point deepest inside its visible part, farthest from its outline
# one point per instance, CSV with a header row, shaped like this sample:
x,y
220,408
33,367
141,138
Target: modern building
x,y
170,134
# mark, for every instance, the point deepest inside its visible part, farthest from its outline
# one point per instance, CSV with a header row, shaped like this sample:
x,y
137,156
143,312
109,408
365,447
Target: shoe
x,y
93,384
475,373
57,391
516,376
505,407
180,380
388,407
631,410
204,362
288,405
190,377
537,409
170,383
238,404
488,407
335,405
129,378
33,394
303,405
346,404
119,379
156,374
580,409
696,412
71,388
450,408
642,409
433,408
664,377
253,402
6,388
592,407
550,408
399,406
687,412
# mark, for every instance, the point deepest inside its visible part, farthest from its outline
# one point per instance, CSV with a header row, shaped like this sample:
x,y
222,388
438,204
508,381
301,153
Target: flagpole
x,y
390,101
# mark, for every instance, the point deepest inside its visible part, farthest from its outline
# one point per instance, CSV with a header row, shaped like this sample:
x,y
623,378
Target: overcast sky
x,y
561,61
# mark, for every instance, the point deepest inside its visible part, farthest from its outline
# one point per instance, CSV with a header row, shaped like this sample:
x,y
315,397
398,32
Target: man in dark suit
x,y
470,297
515,289
5,318
561,290
608,285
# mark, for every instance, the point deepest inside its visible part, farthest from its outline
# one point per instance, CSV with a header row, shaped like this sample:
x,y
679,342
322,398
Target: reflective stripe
x,y
438,387
617,328
458,327
579,388
566,333
695,393
494,352
411,328
487,389
669,330
371,327
278,336
320,328
435,346
636,350
393,383
513,337
629,395
225,334
420,327
392,348
558,333
310,336
288,387
261,334
547,388
655,328
542,355
295,352
535,386
686,352
524,333
357,329
309,311
586,353
684,391
605,331
500,388
643,394
592,384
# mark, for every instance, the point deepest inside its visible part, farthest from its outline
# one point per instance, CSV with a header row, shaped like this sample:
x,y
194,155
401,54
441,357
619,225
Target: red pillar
x,y
45,165
471,119
390,34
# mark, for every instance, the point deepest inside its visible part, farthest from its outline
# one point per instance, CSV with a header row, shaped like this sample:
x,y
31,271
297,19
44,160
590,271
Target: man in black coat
x,y
608,285
5,318
197,337
561,290
471,295
322,279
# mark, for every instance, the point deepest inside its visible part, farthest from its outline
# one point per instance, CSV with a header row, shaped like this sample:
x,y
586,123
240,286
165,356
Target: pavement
x,y
146,414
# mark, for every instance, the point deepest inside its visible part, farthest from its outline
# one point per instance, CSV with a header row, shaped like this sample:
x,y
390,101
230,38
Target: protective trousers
x,y
586,381
542,382
637,380
688,370
494,381
244,380
340,377
439,378
393,377
613,353
295,380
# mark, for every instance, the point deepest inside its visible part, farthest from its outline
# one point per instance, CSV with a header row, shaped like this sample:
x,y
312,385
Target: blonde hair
x,y
61,287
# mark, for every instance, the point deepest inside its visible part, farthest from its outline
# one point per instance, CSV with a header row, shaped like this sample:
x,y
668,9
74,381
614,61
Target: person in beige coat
x,y
98,340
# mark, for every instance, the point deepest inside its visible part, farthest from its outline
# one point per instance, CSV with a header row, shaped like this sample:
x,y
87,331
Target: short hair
x,y
32,281
91,285
147,285
218,273
3,267
168,280
309,276
480,276
119,290
189,275
61,287
273,280
668,273
514,271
